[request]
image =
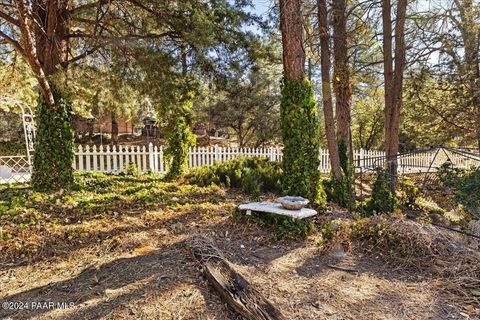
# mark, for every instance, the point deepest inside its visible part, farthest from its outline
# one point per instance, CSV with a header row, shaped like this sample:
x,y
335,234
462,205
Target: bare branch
x,y
9,18
30,53
89,6
81,56
14,43
124,37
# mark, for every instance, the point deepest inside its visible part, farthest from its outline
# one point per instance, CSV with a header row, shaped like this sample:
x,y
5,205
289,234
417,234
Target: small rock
x,y
338,252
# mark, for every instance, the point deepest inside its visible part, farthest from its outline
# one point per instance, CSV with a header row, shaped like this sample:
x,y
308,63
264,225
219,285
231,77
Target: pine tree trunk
x,y
387,73
114,130
477,107
393,83
341,83
53,158
90,126
478,127
327,89
291,27
470,30
298,114
400,50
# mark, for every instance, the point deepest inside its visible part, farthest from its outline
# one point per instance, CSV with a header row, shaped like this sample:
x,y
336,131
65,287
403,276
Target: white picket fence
x,y
115,159
151,158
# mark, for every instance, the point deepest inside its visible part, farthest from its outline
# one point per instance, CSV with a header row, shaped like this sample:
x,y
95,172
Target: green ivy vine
x,y
53,157
341,190
180,138
300,133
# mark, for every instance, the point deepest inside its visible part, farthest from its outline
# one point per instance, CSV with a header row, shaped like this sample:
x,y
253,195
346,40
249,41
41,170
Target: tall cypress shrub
x,y
53,157
300,132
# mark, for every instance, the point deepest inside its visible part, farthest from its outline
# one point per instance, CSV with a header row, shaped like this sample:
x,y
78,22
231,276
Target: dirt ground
x,y
139,266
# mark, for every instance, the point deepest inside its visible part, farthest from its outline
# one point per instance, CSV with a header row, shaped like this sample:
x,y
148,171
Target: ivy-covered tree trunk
x,y
300,134
42,41
299,121
53,157
180,138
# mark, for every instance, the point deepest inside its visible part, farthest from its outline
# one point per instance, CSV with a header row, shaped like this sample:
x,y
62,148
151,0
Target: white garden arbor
x,y
18,168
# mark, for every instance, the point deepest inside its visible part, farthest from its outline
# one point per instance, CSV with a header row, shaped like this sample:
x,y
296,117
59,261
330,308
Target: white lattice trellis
x,y
15,169
19,168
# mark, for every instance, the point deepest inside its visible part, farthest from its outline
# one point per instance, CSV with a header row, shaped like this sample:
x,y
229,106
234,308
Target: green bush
x,y
12,148
464,183
338,190
410,193
132,169
283,227
252,175
180,140
53,158
341,191
382,199
300,133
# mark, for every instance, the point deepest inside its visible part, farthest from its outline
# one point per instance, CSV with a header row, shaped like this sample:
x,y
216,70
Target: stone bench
x,y
276,208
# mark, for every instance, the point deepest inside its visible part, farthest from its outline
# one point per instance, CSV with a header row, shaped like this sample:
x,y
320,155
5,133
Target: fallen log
x,y
233,287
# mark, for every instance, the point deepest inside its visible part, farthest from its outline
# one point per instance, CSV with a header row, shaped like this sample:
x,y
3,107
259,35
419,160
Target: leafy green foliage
x,y
12,148
300,133
337,190
382,199
132,169
97,193
12,140
425,99
180,138
53,158
409,194
283,227
367,114
94,197
17,89
464,183
341,190
374,229
246,104
17,83
252,175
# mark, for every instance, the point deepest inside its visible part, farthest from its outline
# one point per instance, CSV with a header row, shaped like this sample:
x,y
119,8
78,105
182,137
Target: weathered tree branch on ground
x,y
234,289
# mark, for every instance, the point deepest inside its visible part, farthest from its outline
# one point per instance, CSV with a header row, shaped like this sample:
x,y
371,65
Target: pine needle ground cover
x,y
116,246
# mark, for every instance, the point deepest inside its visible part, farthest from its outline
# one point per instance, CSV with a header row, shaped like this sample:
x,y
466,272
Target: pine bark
x,y
393,82
114,130
44,40
341,83
327,89
470,30
291,28
387,70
